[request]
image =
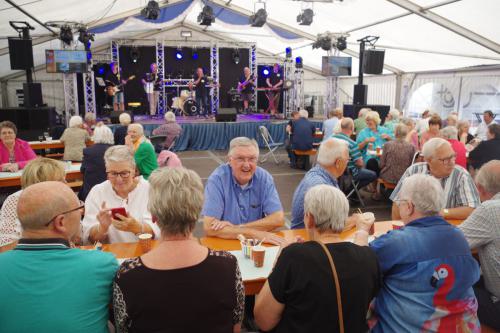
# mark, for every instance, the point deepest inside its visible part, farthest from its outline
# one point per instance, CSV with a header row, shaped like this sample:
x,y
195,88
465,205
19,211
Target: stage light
x,y
179,55
206,16
66,34
298,62
341,44
186,34
236,56
194,55
288,52
324,41
151,11
259,18
134,54
266,72
85,37
305,17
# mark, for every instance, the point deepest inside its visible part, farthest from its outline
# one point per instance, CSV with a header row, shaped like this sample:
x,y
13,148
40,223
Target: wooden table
x,y
53,144
13,179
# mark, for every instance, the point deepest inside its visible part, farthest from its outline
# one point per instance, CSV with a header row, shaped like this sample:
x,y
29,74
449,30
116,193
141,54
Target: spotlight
x,y
236,56
298,62
134,54
259,18
324,41
85,37
266,72
288,52
179,55
100,69
206,16
305,17
66,35
341,44
194,55
151,11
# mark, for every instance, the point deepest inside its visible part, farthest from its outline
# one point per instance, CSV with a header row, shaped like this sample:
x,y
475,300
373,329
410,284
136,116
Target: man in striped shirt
x,y
359,174
460,192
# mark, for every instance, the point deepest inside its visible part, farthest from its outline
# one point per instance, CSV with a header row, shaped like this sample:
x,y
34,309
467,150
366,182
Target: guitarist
x,y
246,88
152,87
113,80
274,83
202,92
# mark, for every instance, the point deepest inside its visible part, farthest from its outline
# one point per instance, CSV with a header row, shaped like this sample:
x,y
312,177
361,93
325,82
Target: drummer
x,y
201,89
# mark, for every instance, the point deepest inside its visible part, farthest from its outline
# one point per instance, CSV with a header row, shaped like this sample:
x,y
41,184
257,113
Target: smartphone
x,y
119,210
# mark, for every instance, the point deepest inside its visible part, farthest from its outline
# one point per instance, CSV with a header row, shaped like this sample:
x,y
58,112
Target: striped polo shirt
x,y
354,152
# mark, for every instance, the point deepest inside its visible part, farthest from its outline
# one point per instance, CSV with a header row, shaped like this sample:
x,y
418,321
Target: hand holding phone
x,y
119,210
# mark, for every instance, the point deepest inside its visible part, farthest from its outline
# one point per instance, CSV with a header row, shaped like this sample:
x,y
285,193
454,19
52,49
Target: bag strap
x,y
337,286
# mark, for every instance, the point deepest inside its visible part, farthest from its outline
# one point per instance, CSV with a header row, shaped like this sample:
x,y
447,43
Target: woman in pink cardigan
x,y
14,153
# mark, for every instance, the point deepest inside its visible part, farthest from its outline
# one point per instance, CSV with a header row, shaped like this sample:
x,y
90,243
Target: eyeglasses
x,y
241,160
122,174
448,160
80,207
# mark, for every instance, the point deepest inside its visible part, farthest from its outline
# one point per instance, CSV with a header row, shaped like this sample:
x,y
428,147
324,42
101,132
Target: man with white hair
x,y
482,231
428,269
241,198
45,285
460,192
121,131
333,156
303,136
360,123
171,130
392,120
144,152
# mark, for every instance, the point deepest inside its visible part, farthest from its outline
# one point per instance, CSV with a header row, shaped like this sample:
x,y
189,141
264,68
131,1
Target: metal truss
x,y
332,90
70,96
289,95
253,70
298,86
160,61
115,52
89,91
214,73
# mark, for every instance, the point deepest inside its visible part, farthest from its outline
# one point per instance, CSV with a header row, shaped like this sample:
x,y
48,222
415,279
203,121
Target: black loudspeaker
x,y
373,61
30,122
32,94
352,111
360,94
114,116
226,114
21,53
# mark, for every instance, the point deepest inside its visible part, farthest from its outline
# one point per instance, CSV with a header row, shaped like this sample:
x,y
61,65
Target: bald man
x,y
246,88
45,285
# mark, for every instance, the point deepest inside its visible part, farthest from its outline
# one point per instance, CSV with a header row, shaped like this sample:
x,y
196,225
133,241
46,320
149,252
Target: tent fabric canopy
x,y
413,42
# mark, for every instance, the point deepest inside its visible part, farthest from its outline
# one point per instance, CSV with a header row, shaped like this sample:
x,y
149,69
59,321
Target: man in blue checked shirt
x,y
240,197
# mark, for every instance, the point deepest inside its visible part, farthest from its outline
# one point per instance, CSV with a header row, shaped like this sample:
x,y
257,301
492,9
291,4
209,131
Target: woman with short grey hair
x,y
396,157
92,168
171,130
450,133
122,189
301,284
74,138
147,289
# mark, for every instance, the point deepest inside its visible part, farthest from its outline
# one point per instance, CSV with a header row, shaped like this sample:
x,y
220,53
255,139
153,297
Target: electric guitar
x,y
112,90
242,85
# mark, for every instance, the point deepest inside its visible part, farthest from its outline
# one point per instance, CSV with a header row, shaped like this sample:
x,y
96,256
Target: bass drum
x,y
190,107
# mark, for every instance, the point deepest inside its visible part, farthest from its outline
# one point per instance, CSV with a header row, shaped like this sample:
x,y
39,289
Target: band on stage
x,y
194,101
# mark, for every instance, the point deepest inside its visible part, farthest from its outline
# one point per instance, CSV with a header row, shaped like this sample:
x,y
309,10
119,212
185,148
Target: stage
x,y
206,134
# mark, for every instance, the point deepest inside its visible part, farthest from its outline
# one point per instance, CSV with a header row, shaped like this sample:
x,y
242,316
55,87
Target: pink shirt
x,y
22,152
461,152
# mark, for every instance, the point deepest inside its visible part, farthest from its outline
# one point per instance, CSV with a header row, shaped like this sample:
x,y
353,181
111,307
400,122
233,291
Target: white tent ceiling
x,y
412,42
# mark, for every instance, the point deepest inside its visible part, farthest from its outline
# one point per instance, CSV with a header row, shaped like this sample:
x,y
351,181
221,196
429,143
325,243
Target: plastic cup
x,y
258,254
246,248
397,225
378,150
145,242
370,217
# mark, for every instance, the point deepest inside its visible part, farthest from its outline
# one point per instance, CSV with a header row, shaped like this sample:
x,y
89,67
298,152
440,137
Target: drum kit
x,y
186,103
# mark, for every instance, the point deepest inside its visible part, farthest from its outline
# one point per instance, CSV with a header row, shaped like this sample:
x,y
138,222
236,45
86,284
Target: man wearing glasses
x,y
45,285
240,197
459,189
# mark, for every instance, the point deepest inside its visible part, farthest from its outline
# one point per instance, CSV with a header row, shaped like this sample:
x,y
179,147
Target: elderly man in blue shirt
x,y
241,198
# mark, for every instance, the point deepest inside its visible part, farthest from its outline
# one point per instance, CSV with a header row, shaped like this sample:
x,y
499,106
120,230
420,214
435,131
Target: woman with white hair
x,y
121,131
180,285
412,136
450,133
89,122
143,150
372,137
392,119
464,136
427,267
171,130
397,156
122,190
93,168
300,294
74,138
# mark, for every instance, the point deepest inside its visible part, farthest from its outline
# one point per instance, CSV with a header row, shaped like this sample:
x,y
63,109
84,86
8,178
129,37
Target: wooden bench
x,y
310,152
387,185
304,155
75,185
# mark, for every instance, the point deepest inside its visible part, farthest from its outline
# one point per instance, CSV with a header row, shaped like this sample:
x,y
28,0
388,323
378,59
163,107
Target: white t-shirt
x,y
482,130
136,206
10,227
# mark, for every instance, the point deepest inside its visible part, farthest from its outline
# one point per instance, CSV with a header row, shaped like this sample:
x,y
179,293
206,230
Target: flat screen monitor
x,y
336,66
65,61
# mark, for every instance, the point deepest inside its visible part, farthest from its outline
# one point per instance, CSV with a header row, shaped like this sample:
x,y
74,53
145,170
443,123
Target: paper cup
x,y
145,242
370,217
397,225
258,254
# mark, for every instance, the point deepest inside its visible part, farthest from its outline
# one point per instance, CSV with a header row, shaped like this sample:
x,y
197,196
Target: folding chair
x,y
354,184
172,145
157,142
270,144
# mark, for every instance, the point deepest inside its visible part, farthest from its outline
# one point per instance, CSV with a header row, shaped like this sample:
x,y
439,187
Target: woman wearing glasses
x,y
122,190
